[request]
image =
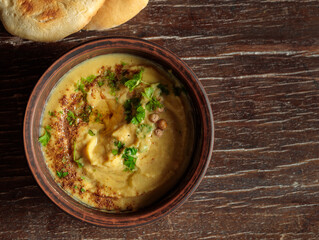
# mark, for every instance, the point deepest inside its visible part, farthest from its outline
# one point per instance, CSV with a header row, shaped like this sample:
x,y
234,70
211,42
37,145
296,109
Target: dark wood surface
x,y
259,64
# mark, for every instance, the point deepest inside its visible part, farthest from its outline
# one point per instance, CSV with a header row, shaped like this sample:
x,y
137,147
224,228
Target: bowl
x,y
203,124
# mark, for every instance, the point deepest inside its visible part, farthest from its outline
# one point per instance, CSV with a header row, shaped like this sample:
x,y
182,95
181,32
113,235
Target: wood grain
x,y
259,64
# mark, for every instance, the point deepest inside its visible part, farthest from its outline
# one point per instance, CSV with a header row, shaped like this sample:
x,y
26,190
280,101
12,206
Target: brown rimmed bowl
x,y
203,124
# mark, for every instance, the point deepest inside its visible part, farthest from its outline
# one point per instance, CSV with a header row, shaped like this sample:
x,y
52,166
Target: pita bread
x,y
115,12
47,20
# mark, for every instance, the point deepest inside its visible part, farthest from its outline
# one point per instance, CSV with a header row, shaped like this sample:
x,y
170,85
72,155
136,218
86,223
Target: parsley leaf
x,y
85,115
134,110
89,79
148,93
79,161
129,159
164,89
82,190
119,146
62,173
140,115
135,81
91,133
123,63
71,117
100,83
143,129
98,117
52,114
44,139
153,105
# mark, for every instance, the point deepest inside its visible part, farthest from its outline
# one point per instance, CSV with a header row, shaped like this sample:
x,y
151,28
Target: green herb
x,y
119,146
135,81
178,90
100,83
153,104
91,133
89,79
130,106
129,159
148,92
143,129
98,117
139,116
82,190
61,112
62,174
80,86
52,114
75,187
164,89
80,164
85,115
83,178
123,63
71,117
44,139
79,161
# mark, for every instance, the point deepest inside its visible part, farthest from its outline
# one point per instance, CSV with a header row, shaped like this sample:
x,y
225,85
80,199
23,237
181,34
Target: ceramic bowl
x,y
203,123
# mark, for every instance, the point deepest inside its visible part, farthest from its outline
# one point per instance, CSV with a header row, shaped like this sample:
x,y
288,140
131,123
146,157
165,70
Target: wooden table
x,y
259,64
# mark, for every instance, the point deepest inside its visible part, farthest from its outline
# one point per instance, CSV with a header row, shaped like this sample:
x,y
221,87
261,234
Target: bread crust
x,y
114,13
47,20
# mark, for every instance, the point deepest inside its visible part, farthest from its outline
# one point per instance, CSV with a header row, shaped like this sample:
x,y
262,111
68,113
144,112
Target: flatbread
x,y
115,12
47,20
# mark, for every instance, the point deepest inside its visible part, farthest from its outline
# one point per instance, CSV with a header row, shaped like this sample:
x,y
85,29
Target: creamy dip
x,y
117,132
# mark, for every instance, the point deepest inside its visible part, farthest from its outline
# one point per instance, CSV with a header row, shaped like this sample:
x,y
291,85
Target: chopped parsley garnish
x,y
89,79
52,114
71,117
134,111
79,161
119,146
75,187
91,133
129,158
82,190
143,129
98,117
100,83
123,63
178,90
135,81
85,115
61,112
139,116
164,88
153,103
44,139
62,173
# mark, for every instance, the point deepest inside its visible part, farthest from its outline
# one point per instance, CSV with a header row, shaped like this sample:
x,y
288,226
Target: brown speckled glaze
x,y
203,132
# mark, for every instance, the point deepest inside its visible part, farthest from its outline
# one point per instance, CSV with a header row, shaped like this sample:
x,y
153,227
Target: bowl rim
x,y
137,218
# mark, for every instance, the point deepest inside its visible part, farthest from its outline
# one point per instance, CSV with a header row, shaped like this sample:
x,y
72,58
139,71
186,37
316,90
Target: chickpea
x,y
158,132
161,124
153,117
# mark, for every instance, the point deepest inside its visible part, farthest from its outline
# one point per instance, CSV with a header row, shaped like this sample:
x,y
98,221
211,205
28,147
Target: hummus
x,y
117,132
